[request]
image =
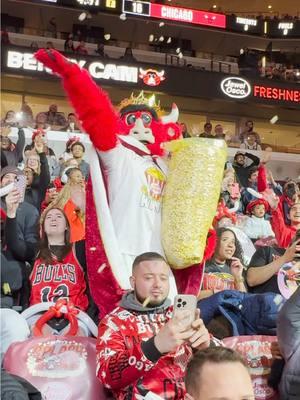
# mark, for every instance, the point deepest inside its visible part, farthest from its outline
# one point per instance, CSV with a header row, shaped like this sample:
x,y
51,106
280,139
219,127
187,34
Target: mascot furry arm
x,y
90,102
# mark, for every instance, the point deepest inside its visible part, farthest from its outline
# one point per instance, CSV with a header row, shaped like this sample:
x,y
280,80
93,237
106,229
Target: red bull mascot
x,y
128,181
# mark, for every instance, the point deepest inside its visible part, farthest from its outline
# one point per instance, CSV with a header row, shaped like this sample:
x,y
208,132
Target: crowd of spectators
x,y
50,119
280,72
54,120
247,139
249,61
257,224
250,65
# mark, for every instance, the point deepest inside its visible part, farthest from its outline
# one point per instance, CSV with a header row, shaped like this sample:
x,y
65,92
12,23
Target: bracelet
x,y
240,280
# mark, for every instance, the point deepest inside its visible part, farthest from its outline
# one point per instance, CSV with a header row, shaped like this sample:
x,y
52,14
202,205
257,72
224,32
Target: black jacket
x,y
12,158
35,194
288,333
242,172
18,247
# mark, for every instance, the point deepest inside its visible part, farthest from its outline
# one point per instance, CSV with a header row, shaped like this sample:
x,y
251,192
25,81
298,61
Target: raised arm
x,y
20,145
255,160
283,234
257,274
91,103
262,182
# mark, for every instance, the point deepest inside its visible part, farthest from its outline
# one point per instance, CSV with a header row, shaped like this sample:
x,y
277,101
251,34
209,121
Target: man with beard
x,y
242,170
141,350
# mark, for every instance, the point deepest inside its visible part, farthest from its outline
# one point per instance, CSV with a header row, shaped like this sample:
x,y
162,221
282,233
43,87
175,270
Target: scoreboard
x,y
234,23
137,8
179,14
264,27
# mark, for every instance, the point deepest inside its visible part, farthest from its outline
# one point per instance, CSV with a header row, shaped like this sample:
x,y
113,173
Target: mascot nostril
x,y
126,188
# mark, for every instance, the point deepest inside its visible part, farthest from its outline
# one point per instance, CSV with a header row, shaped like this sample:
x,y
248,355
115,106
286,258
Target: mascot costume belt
x,y
137,203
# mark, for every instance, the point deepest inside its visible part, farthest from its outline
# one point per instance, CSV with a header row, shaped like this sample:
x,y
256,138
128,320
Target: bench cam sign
x,y
236,88
25,61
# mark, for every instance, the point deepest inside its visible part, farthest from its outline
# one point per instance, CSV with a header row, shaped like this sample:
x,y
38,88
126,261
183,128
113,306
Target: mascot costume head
x,y
141,118
128,178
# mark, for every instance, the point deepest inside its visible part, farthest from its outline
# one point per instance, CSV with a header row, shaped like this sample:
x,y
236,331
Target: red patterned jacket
x,y
127,360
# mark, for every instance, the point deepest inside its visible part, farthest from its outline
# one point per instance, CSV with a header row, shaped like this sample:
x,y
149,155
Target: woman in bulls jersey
x,y
59,269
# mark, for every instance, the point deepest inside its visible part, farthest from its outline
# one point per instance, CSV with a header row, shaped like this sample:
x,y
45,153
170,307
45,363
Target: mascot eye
x,y
146,119
130,119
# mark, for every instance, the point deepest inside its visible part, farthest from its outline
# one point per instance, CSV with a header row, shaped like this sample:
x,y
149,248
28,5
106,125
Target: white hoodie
x,y
257,228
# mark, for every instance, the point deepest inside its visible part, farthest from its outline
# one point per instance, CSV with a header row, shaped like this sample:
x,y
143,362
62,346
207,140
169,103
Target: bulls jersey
x,y
50,282
135,190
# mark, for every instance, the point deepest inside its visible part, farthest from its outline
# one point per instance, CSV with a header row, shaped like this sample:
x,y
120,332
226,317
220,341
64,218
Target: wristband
x,y
239,280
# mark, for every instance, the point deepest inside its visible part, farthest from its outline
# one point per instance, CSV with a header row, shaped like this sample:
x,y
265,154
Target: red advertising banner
x,y
256,351
188,15
267,92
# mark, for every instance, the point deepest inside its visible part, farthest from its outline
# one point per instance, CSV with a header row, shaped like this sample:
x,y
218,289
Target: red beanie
x,y
256,202
37,132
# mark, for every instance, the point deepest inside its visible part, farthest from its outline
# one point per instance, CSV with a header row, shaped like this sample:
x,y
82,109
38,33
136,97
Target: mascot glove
x,y
56,62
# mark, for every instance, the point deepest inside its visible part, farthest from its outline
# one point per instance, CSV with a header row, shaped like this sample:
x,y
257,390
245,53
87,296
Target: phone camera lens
x,y
179,300
184,303
178,305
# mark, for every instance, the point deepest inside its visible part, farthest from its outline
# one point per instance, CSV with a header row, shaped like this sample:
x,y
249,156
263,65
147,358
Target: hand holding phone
x,y
185,327
173,334
183,303
12,201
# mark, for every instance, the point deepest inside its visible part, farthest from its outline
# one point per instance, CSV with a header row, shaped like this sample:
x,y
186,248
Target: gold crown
x,y
141,99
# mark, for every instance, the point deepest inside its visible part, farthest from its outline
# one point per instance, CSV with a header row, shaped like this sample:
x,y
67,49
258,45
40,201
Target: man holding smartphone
x,y
142,350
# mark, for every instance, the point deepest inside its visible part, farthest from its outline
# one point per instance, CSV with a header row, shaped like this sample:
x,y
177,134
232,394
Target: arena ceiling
x,y
278,7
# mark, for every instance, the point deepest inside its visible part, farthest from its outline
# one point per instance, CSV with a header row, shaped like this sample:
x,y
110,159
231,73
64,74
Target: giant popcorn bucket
x,y
191,196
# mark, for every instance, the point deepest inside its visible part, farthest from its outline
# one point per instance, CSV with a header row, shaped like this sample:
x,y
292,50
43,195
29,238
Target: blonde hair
x,y
61,200
35,155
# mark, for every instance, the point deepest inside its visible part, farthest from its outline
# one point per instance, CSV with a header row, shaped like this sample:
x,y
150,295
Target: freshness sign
x,y
237,88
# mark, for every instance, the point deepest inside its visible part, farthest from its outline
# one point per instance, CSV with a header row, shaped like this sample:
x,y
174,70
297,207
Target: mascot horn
x,y
128,178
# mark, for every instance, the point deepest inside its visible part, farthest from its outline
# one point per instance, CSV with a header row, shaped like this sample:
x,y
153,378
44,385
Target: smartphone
x,y
184,302
20,185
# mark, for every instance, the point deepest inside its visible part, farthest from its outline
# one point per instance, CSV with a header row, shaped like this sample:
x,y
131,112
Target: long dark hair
x,y
45,252
238,248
